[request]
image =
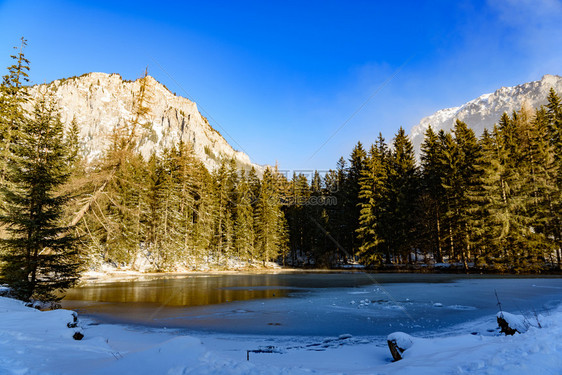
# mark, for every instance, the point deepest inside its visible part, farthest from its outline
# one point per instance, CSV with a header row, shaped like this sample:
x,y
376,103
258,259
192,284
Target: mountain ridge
x,y
101,101
484,111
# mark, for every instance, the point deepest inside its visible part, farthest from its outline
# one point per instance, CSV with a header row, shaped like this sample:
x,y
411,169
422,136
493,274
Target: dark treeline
x,y
492,203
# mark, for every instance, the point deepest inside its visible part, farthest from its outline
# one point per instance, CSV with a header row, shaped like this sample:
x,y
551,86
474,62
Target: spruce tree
x,y
297,217
321,248
223,219
554,116
508,221
431,200
244,221
351,201
373,189
185,169
267,219
12,95
451,182
468,154
403,196
39,258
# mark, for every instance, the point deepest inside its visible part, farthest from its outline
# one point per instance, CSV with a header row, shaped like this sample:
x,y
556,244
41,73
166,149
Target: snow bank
x,y
40,342
34,342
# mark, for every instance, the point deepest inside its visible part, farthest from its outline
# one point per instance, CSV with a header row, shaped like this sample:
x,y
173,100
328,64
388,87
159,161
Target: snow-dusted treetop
x,y
486,110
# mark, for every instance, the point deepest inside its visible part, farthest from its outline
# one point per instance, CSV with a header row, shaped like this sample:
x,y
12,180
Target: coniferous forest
x,y
491,203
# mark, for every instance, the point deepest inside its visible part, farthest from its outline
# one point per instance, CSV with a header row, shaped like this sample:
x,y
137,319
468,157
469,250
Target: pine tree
x,y
479,218
185,170
451,183
403,196
340,224
224,223
373,194
40,258
554,117
321,247
159,208
431,199
268,219
508,223
351,201
468,153
244,222
12,95
205,212
297,217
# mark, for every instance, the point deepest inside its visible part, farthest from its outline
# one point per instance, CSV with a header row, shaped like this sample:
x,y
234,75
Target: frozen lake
x,y
312,304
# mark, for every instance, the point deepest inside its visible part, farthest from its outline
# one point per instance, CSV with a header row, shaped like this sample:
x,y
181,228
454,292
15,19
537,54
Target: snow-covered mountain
x,y
99,101
486,110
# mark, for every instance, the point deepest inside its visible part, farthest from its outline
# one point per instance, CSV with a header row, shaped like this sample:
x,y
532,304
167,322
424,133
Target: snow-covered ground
x,y
35,342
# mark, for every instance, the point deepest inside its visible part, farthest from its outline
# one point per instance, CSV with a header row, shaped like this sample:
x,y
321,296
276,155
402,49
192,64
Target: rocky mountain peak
x,y
486,110
99,101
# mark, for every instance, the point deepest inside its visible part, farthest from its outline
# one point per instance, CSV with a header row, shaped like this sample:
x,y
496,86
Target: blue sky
x,y
279,78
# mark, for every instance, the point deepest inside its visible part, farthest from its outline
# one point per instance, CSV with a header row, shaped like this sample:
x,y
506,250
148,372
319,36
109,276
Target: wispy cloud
x,y
536,31
529,14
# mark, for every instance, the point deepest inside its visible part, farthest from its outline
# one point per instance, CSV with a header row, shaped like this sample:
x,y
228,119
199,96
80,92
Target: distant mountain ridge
x,y
100,101
486,110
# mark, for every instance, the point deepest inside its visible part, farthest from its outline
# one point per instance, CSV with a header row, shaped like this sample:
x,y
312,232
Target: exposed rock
x,y
99,101
511,324
398,342
78,335
486,110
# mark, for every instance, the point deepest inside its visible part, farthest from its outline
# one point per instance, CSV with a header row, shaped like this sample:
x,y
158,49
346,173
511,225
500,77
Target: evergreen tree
x,y
297,217
244,224
451,182
223,219
508,222
12,95
186,170
351,203
468,154
39,257
205,211
321,247
403,197
372,194
431,199
159,211
554,118
268,219
479,218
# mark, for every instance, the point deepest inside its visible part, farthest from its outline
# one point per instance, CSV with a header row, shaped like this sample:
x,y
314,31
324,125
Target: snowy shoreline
x,y
35,342
117,275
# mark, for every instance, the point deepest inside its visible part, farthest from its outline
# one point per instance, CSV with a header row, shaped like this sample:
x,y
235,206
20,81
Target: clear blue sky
x,y
278,78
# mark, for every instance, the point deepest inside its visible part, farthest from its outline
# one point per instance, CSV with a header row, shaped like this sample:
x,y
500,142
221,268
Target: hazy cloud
x,y
536,31
528,13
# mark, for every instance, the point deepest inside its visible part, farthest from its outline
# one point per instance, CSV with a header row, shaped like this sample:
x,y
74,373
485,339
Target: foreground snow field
x,y
35,342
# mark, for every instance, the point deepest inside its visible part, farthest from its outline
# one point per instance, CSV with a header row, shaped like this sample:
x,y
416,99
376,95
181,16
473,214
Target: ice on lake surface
x,y
313,304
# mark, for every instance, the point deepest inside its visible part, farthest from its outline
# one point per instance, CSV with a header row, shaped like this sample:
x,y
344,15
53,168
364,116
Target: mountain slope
x,y
486,110
99,101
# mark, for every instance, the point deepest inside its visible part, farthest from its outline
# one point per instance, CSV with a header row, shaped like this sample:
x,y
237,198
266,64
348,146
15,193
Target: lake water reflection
x,y
309,303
